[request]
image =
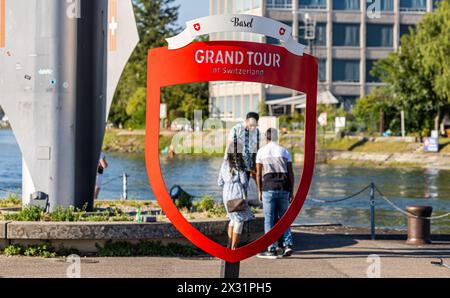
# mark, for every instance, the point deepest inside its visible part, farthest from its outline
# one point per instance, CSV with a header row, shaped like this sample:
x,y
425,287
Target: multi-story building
x,y
349,37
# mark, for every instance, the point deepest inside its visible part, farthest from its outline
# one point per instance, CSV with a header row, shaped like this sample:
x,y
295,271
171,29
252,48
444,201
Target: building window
x,y
279,4
405,29
255,103
350,5
271,40
247,105
322,70
385,5
413,5
379,35
321,34
312,4
221,105
238,107
346,35
345,70
370,78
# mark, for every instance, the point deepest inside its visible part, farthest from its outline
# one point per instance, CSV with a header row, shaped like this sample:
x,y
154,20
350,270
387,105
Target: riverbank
x,y
349,151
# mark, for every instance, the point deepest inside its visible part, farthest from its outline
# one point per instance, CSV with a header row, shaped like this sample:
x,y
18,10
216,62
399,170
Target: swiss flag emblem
x,y
197,27
282,31
113,25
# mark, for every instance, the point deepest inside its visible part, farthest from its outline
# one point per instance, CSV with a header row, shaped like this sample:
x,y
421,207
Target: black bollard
x,y
419,225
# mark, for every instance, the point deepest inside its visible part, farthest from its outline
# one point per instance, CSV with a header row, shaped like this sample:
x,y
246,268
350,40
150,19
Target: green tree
x,y
135,109
370,111
183,100
155,21
418,75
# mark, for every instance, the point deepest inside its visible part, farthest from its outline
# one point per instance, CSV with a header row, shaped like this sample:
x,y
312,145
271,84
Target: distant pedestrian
x,y
102,165
275,180
233,179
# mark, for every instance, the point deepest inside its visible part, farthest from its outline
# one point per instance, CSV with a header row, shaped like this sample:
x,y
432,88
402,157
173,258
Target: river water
x,y
198,176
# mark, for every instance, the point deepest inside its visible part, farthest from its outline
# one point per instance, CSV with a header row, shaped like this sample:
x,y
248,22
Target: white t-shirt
x,y
275,159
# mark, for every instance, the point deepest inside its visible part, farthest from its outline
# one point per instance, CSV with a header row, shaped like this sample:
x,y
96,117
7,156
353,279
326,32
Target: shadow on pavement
x,y
332,246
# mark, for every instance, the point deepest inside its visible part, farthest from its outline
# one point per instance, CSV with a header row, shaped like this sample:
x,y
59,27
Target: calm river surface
x,y
198,176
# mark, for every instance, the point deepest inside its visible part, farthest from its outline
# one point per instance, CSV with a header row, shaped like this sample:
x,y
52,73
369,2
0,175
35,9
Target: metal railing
x,y
373,191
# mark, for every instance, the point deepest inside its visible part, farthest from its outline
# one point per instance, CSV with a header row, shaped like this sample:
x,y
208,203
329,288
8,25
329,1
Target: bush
x,y
145,248
43,251
13,250
209,205
12,200
67,214
205,204
29,213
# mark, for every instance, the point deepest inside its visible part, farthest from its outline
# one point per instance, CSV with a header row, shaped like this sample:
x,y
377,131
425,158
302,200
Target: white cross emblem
x,y
113,26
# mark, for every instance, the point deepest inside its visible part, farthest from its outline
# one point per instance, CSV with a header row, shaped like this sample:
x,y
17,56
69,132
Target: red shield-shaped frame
x,y
173,67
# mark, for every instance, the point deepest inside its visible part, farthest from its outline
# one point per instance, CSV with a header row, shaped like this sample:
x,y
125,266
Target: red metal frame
x,y
173,67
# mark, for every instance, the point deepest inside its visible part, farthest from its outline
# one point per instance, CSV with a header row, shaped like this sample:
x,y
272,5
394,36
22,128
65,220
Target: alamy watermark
x,y
207,136
374,9
374,269
74,269
73,9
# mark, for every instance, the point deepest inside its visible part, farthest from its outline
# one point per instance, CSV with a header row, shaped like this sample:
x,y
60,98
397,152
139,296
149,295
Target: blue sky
x,y
192,9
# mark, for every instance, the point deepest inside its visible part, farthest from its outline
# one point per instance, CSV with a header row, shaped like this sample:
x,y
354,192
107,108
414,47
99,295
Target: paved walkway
x,y
319,254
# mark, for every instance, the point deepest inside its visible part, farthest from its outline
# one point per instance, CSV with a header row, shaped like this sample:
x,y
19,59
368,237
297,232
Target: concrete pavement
x,y
319,253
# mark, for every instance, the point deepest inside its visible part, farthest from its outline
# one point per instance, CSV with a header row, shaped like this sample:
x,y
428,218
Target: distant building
x,y
348,38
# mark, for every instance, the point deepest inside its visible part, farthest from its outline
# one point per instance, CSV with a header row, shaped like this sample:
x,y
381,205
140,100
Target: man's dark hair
x,y
253,115
272,135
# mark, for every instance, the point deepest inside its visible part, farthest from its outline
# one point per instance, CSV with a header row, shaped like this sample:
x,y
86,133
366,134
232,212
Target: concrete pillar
x,y
329,44
396,24
295,11
27,184
363,34
429,5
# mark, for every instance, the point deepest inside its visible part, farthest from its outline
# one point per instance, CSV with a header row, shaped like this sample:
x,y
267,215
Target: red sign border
x,y
165,68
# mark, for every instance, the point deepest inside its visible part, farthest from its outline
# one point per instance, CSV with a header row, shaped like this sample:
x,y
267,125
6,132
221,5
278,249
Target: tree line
x,y
417,79
156,21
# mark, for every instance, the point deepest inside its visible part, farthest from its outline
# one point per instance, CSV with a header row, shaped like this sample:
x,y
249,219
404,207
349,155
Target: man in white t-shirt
x,y
102,165
275,180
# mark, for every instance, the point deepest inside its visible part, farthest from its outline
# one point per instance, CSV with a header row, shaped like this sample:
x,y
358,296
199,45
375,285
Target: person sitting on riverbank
x,y
275,180
233,179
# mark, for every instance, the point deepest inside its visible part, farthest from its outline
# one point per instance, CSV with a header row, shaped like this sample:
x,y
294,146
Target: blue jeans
x,y
275,204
